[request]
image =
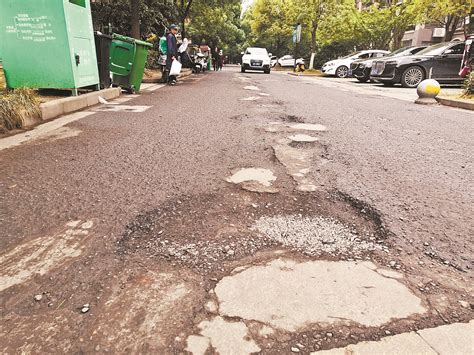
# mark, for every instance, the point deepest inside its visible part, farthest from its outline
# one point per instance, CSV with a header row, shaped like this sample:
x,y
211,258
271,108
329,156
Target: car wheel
x,y
412,77
267,71
362,80
242,69
342,71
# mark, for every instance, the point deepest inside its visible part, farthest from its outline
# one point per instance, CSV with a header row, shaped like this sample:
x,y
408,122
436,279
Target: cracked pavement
x,y
300,219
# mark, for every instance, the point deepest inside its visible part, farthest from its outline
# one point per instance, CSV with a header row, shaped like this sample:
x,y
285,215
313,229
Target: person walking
x,y
172,52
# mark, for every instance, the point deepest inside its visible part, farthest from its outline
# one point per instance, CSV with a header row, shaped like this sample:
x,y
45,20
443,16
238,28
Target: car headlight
x,y
361,65
329,64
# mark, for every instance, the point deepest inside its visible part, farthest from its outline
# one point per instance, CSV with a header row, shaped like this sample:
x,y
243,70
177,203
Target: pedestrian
x,y
215,59
221,59
172,51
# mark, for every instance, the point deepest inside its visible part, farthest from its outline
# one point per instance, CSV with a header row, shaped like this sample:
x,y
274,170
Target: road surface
x,y
237,212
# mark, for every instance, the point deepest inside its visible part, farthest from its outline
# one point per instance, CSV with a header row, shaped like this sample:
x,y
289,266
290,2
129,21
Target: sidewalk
x,y
453,339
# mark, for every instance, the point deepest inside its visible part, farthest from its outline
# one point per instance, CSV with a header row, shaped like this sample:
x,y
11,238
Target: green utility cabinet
x,y
127,62
48,44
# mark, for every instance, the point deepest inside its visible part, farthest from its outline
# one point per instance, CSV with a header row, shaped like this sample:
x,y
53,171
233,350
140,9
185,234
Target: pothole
x,y
254,179
276,127
251,98
251,88
291,295
208,233
298,164
303,138
308,127
314,235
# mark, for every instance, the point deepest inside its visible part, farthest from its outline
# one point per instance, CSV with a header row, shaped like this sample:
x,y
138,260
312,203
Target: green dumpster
x,y
48,44
127,62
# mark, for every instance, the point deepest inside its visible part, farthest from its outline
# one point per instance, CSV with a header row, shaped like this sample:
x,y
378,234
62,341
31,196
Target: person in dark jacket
x,y
172,53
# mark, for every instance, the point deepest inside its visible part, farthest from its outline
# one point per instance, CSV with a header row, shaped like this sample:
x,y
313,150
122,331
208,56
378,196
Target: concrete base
x,y
55,108
426,101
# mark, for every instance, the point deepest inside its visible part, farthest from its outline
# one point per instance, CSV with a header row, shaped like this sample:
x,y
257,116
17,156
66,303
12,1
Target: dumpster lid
x,y
100,34
131,40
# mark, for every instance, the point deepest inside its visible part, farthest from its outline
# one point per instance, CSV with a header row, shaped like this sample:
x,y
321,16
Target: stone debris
x,y
38,298
313,235
85,308
251,88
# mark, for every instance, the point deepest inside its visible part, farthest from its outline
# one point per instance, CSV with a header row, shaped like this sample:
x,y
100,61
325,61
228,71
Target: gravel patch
x,y
314,235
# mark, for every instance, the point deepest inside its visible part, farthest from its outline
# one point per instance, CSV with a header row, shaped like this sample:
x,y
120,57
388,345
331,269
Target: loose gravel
x,y
314,235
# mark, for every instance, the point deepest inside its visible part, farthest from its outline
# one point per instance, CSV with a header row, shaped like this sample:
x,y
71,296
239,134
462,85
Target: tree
x,y
135,18
184,7
116,16
449,14
314,12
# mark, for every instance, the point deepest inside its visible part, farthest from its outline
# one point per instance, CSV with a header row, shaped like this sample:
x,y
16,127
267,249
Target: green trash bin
x,y
48,44
127,62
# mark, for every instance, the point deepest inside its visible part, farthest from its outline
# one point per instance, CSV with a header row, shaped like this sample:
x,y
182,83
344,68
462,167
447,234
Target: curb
x,y
303,74
55,108
157,79
459,103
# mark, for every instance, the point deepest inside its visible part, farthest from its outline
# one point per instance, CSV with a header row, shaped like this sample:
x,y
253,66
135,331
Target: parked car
x,y
440,62
273,61
289,61
255,58
361,68
340,67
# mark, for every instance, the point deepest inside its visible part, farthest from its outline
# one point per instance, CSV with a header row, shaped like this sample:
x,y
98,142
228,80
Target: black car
x,y
360,69
440,62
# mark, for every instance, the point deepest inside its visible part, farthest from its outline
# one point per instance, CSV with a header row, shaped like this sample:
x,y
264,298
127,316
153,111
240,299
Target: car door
x,y
288,61
445,67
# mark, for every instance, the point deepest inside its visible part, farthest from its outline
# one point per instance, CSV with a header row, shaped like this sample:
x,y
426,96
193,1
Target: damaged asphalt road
x,y
299,220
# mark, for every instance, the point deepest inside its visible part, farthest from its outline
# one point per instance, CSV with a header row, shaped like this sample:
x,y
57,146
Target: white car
x,y
273,61
340,67
289,61
255,58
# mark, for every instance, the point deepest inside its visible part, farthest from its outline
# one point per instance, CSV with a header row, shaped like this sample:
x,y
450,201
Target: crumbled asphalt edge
x,y
366,210
164,233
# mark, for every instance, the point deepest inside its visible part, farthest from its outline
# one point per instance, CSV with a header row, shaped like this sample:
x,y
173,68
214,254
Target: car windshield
x,y
350,55
435,49
257,51
400,52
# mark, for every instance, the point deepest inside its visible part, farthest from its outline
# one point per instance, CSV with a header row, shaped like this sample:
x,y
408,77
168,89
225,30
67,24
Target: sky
x,y
246,4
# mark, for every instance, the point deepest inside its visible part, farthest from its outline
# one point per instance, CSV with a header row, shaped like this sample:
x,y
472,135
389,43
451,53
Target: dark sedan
x,y
360,69
440,62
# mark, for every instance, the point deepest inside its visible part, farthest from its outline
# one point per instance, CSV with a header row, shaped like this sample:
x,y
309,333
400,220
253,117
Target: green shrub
x,y
469,85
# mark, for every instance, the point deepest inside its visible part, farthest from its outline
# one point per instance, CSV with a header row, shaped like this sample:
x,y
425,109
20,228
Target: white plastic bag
x,y
175,68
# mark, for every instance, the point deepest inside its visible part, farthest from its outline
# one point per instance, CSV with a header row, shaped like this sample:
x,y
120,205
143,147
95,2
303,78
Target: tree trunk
x,y
314,30
450,27
398,33
135,18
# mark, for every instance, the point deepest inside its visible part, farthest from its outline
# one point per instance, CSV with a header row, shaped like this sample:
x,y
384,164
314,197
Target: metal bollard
x,y
427,92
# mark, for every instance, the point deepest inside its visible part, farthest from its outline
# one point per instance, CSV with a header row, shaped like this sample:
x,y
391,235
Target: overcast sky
x,y
246,4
